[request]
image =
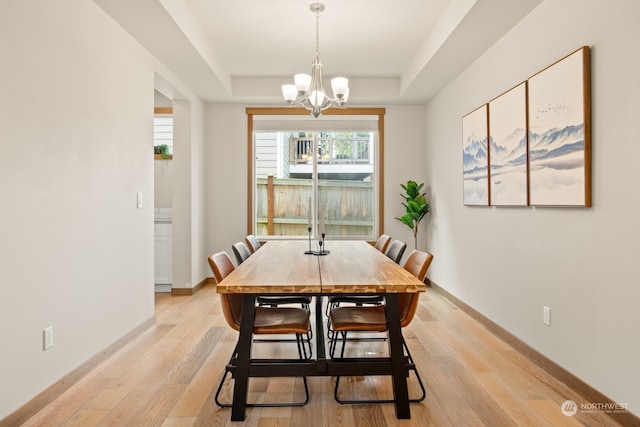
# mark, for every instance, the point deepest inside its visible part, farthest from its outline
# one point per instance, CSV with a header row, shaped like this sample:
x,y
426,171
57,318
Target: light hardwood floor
x,y
168,375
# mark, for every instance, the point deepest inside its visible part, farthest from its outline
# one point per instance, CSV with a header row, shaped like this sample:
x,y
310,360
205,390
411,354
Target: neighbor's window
x,y
322,178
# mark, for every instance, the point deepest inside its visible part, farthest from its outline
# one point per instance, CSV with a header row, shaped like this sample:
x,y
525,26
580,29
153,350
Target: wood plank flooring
x,y
168,376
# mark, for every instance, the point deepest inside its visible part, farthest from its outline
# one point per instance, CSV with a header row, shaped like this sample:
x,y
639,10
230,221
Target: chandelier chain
x,y
317,34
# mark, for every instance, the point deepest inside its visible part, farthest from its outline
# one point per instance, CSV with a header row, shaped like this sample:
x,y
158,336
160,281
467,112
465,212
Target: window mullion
x,y
314,183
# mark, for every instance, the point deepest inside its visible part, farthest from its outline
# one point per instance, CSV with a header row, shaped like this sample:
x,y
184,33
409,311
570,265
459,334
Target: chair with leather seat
x,y
268,320
241,252
396,250
346,319
382,243
334,301
252,242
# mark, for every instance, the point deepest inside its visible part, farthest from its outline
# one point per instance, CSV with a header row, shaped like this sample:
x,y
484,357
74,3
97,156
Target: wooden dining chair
x,y
396,250
268,320
382,243
346,319
252,242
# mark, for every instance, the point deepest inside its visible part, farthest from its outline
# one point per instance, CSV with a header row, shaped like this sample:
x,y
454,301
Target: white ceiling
x,y
401,51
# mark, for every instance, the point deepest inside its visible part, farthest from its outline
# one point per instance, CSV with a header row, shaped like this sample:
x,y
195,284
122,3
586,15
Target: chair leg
x,y
222,380
264,405
302,353
227,370
411,366
302,350
333,344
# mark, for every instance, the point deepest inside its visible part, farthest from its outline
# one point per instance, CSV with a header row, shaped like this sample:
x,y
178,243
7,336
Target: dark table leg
x,y
243,360
321,356
399,375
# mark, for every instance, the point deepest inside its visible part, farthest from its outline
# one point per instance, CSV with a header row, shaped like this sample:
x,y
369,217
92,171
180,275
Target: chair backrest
x,y
252,243
382,243
396,250
417,264
241,252
221,265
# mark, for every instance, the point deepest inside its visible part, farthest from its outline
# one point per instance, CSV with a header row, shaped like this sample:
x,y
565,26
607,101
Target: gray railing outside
x,y
333,150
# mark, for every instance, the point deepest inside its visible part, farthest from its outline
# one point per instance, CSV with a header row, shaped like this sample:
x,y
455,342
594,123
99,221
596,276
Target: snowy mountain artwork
x,y
475,158
558,141
531,146
508,148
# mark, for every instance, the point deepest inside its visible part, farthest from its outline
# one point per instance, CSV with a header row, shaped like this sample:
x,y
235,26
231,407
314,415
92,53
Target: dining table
x,y
285,267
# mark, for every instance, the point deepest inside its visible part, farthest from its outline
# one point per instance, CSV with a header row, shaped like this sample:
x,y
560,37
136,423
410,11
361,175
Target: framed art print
x,y
508,148
560,133
475,158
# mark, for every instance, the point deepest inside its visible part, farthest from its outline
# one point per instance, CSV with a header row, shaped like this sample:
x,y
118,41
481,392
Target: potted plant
x,y
162,151
416,206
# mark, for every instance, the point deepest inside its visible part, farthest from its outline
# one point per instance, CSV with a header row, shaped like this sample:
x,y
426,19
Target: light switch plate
x,y
47,338
546,316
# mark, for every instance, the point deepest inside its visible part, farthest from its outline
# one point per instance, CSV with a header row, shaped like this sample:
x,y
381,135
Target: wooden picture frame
x,y
560,133
475,155
508,148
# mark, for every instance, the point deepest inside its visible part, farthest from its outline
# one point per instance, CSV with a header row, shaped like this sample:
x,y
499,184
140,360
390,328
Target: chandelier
x,y
308,90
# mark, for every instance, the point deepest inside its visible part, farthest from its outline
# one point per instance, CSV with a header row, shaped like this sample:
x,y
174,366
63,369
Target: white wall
x,y
190,265
404,151
199,219
226,156
163,183
181,195
509,262
76,113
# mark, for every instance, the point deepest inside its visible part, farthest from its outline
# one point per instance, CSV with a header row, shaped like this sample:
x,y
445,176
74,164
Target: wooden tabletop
x,y
357,267
281,267
277,267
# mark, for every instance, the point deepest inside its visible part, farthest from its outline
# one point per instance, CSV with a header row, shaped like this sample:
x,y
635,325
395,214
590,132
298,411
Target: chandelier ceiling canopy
x,y
308,90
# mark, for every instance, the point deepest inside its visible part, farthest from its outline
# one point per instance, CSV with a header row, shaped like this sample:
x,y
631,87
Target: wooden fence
x,y
282,207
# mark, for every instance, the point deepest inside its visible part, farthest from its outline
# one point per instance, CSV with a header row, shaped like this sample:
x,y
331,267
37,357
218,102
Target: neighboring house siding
x,y
266,154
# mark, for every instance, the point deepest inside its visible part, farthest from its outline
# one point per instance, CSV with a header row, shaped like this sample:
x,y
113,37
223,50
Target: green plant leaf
x,y
406,219
415,204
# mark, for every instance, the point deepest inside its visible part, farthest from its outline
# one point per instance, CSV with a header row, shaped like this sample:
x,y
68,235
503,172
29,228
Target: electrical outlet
x,y
546,316
47,338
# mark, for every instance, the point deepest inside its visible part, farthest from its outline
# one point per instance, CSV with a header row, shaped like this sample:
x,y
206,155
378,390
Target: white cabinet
x,y
163,254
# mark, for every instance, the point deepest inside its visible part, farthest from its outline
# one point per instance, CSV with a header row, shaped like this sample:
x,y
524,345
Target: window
x,y
318,174
163,136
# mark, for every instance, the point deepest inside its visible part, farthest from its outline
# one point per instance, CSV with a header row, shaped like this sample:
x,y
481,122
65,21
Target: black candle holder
x,y
323,250
309,252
